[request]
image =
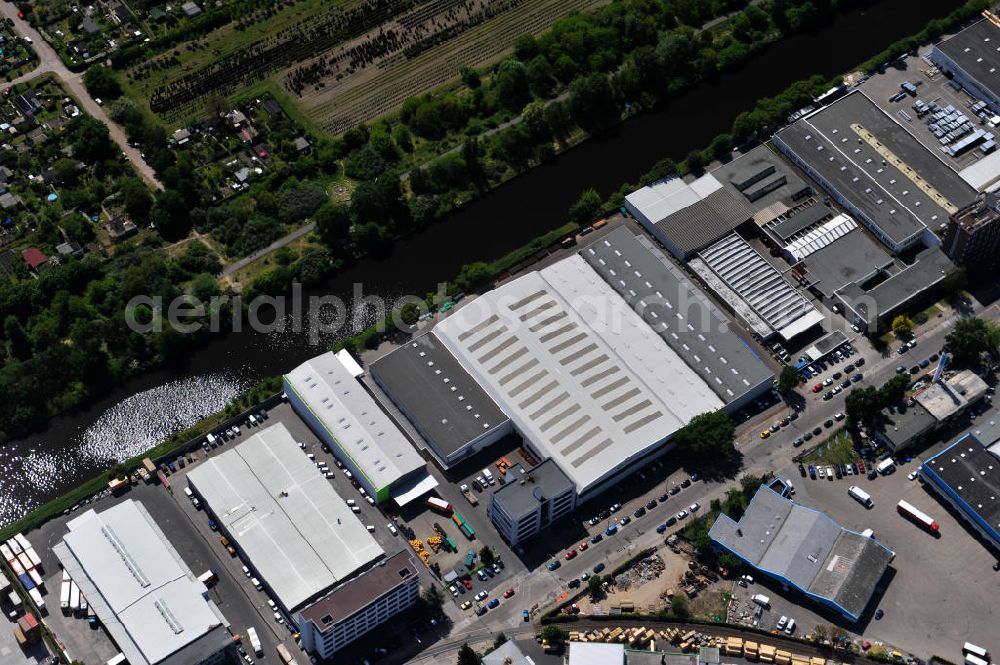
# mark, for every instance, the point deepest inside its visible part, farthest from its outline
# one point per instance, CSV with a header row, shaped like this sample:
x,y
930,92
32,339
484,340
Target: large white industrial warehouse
x,y
152,605
292,527
327,395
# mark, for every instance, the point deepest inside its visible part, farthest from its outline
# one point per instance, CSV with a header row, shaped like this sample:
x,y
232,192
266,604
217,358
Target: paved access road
x,y
49,63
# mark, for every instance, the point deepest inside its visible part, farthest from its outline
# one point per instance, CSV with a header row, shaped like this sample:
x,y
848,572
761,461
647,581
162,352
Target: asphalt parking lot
x,y
931,86
922,610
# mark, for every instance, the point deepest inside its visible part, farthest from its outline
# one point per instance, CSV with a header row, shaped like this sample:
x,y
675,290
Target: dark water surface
x,y
144,411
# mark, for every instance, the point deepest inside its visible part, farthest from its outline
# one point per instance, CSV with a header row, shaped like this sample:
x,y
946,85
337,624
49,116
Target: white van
x,y
246,571
886,466
370,528
868,533
761,600
311,456
256,583
188,493
790,627
351,502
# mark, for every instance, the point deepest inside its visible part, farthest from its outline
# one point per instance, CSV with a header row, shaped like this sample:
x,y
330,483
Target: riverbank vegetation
x,y
65,337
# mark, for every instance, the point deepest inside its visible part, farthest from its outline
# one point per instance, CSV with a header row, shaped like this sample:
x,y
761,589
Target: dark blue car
x,y
493,603
661,528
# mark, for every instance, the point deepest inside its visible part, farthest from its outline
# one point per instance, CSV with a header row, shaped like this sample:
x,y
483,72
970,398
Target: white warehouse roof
x,y
140,588
581,375
298,533
335,397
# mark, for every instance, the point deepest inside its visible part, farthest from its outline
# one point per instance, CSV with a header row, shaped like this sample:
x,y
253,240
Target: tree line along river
x,y
79,444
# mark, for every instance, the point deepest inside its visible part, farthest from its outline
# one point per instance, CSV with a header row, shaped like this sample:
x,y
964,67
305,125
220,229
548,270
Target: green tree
x,y
466,656
409,313
473,275
90,139
333,225
788,380
102,83
894,390
17,340
499,640
553,633
511,83
679,606
862,405
171,215
486,555
594,103
708,436
902,325
586,207
136,198
470,77
972,337
595,587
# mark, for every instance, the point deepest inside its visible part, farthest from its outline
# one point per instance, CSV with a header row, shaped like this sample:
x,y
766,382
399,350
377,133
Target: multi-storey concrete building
x,y
973,236
360,605
530,501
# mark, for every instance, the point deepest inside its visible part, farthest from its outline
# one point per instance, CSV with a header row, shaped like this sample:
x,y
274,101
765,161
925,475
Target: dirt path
x,y
49,63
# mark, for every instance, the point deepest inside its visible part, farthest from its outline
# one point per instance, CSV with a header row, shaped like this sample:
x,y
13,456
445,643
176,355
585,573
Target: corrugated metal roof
x,y
285,515
807,548
138,585
580,374
350,414
761,285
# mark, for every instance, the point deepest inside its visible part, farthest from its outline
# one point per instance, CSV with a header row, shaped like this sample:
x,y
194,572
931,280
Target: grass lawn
x,y
838,449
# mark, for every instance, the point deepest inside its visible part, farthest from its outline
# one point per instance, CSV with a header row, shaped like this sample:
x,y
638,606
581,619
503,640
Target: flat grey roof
x,y
520,498
973,473
761,286
679,312
148,599
761,177
846,260
878,166
284,515
444,402
806,548
351,416
975,51
929,268
801,220
901,425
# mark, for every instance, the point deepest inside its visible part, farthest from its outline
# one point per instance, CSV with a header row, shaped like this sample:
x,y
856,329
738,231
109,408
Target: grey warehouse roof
x,y
581,376
437,394
151,603
683,316
297,532
849,259
878,166
761,177
351,415
801,220
973,474
930,267
520,498
807,549
689,216
975,51
761,286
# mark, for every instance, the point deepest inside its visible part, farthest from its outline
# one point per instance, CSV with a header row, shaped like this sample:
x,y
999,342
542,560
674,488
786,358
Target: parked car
x,y
598,568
